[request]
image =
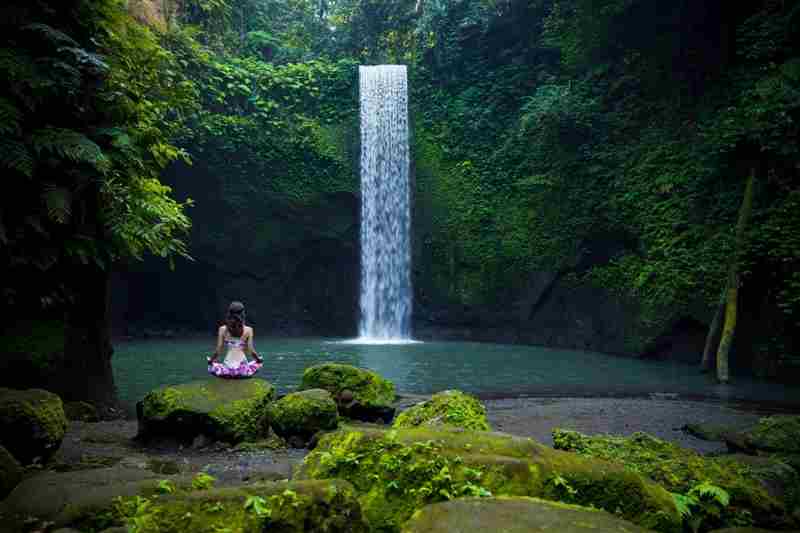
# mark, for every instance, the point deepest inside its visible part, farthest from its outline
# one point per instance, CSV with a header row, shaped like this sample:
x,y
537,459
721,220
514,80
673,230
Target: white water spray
x,y
385,206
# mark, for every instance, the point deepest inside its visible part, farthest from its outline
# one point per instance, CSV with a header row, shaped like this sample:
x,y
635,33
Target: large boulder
x,y
297,416
92,500
514,515
327,506
66,498
399,471
221,409
10,472
451,407
760,488
360,394
775,434
32,423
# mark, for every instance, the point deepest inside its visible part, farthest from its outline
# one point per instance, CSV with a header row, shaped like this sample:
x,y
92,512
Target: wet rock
x,y
32,423
90,501
514,515
10,472
222,409
64,498
776,433
361,394
451,407
81,412
399,471
297,416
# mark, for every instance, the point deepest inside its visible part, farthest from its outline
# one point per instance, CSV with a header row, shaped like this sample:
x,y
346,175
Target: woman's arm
x,y
218,349
250,349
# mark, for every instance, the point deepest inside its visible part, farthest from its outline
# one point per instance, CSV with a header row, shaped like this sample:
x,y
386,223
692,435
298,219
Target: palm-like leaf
x,y
58,201
15,155
70,144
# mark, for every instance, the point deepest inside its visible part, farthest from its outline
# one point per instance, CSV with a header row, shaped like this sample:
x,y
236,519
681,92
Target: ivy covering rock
x,y
301,414
450,407
763,493
32,423
398,471
361,394
228,410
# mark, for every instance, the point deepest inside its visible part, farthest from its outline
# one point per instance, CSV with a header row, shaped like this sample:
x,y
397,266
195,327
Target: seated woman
x,y
237,338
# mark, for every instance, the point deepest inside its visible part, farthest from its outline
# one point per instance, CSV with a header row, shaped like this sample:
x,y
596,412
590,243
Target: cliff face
x,y
153,13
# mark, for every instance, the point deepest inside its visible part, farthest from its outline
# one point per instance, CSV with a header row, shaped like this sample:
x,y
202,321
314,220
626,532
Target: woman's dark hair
x,y
235,319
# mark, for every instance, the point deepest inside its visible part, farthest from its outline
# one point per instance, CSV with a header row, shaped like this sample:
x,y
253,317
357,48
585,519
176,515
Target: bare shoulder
x,y
222,329
248,331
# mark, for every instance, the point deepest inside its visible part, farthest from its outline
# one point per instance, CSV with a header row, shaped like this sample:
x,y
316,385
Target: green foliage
x,y
702,506
710,492
166,486
203,481
87,121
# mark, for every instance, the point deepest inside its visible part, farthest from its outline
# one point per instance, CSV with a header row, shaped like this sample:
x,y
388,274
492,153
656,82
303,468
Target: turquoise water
x,y
489,370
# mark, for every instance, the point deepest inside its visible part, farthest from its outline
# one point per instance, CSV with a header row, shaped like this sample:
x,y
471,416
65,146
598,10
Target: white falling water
x,y
385,206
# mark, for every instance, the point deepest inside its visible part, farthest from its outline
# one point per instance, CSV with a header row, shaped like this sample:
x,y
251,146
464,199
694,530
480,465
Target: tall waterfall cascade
x,y
386,295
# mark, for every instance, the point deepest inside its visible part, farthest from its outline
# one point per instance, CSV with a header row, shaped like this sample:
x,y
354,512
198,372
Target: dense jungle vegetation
x,y
610,143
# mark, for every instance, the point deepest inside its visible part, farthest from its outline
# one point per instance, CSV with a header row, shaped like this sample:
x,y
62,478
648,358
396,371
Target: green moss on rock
x,y
399,471
514,515
301,414
776,433
450,407
755,489
32,423
10,472
230,410
360,393
326,506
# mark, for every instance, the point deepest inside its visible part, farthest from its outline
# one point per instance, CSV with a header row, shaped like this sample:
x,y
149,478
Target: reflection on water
x,y
479,368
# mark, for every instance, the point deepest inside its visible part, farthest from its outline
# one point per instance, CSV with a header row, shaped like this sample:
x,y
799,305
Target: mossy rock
x,y
32,423
399,471
81,412
360,394
762,487
222,409
776,433
10,472
65,497
749,530
289,507
301,414
450,407
97,499
514,515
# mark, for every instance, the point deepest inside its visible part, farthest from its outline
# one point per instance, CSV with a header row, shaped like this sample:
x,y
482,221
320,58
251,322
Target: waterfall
x,y
385,205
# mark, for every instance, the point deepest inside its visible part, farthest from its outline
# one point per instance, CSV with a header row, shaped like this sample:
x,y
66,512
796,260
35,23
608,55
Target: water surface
x,y
488,370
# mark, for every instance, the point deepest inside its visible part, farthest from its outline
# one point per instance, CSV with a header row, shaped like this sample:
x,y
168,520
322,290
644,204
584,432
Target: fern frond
x,y
58,201
712,491
70,144
15,155
50,34
9,118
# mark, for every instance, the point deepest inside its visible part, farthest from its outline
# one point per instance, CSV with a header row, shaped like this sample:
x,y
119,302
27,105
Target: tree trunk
x,y
87,344
712,339
732,293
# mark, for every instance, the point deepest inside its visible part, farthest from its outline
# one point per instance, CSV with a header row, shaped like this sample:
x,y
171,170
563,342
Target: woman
x,y
237,338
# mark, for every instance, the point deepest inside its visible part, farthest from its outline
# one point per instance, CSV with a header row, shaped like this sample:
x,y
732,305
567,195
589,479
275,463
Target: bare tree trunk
x,y
732,293
712,339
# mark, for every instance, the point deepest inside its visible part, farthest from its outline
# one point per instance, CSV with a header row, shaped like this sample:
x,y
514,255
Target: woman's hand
x,y
257,358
